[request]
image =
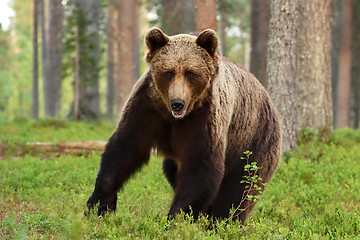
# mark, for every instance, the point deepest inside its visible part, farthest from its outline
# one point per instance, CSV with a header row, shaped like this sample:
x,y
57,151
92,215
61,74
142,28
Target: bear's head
x,y
182,68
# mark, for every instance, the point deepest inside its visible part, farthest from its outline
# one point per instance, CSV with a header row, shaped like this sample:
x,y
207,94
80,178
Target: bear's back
x,y
243,107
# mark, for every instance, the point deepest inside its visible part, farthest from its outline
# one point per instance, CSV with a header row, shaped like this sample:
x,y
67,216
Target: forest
x,y
68,66
78,60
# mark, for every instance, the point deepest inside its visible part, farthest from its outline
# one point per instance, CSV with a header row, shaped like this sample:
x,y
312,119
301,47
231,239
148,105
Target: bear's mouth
x,y
179,115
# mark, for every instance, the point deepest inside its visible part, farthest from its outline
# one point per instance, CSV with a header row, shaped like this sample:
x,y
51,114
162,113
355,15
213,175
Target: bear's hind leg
x,y
230,196
170,171
233,193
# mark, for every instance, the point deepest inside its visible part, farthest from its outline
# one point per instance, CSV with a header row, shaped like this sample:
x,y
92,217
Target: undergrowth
x,y
314,194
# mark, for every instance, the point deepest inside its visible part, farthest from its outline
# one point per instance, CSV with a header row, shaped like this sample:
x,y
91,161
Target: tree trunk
x,y
223,25
281,66
110,61
88,58
336,29
91,88
344,79
260,16
44,62
35,87
127,12
205,15
177,16
355,73
136,49
77,70
314,64
52,48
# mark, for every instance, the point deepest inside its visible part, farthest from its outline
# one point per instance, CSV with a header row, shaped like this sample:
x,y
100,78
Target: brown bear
x,y
202,111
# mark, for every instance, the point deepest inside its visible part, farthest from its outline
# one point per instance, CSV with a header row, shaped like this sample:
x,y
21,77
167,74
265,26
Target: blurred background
x,y
78,59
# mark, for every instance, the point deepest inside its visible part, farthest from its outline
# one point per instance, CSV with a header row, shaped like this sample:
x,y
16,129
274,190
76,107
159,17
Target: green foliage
x,y
91,60
237,29
314,195
252,183
16,64
309,135
5,90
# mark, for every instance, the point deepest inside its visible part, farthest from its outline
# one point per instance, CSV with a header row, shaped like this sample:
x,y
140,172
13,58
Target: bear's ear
x,y
208,40
154,40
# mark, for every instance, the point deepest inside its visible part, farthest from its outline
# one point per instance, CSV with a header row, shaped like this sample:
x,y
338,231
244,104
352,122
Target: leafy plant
x,y
253,183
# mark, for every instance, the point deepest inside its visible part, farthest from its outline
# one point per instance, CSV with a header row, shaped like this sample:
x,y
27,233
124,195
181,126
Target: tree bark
x,y
77,71
52,45
136,49
205,15
110,60
35,87
127,60
336,29
281,66
44,62
344,79
355,73
314,64
260,16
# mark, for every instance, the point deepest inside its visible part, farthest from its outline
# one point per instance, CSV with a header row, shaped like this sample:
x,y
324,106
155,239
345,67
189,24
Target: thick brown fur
x,y
226,111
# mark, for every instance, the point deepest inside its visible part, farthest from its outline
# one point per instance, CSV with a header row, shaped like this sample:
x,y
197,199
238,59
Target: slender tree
x,y
127,60
87,59
44,62
52,56
136,47
35,87
77,70
260,16
223,25
344,80
281,66
336,29
110,59
205,15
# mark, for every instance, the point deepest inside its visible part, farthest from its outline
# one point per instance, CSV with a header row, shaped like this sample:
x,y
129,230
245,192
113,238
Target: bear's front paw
x,y
106,203
92,201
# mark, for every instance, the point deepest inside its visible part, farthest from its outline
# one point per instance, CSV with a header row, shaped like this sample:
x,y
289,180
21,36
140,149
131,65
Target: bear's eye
x,y
190,75
168,75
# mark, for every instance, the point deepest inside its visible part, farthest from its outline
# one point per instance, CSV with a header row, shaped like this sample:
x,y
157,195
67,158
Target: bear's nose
x,y
177,105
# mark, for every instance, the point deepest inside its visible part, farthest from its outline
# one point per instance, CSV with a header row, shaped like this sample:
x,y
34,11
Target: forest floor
x,y
314,194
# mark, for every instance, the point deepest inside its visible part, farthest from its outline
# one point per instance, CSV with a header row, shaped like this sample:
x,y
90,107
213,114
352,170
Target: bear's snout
x,y
177,105
177,108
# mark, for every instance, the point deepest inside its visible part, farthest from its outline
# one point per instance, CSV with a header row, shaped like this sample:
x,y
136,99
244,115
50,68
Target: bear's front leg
x,y
123,155
127,149
198,183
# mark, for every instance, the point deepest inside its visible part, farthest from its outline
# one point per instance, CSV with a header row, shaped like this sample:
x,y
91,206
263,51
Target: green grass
x,y
52,130
15,136
314,195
